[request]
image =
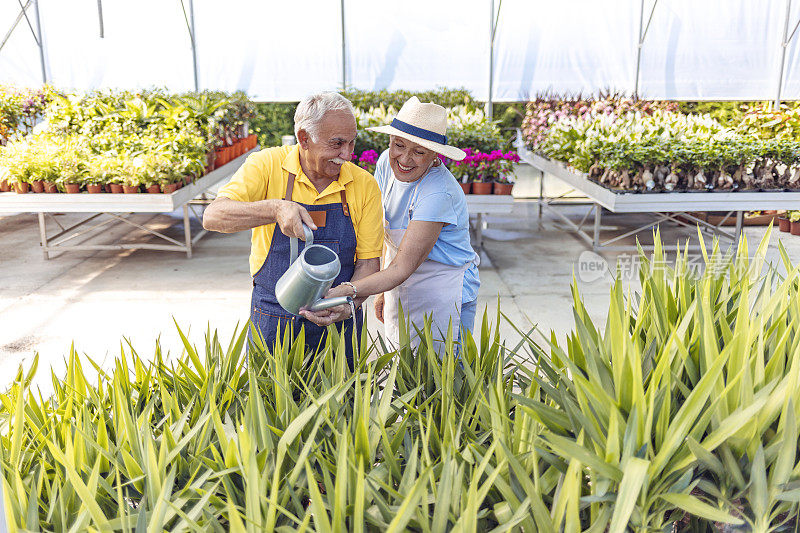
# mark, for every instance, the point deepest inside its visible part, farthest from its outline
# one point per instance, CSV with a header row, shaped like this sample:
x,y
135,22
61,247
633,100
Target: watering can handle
x,y
293,243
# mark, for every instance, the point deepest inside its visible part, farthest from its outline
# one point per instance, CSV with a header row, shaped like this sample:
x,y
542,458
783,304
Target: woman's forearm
x,y
385,280
363,269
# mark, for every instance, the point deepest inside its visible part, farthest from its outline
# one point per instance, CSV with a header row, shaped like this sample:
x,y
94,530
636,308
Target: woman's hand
x,y
326,317
379,307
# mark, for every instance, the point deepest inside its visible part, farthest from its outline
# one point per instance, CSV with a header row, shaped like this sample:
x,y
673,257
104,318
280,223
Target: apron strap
x,y
345,208
289,187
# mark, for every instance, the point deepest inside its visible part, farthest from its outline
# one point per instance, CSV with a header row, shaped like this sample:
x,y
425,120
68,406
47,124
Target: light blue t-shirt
x,y
439,198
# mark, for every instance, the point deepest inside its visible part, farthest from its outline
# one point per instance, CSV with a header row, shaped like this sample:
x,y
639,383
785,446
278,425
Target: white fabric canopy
x,y
281,51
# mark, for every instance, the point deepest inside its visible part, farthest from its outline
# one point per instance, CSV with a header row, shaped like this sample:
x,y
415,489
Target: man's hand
x,y
326,317
379,307
339,290
290,217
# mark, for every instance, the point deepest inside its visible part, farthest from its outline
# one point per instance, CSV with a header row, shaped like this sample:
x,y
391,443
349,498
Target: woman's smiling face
x,y
409,160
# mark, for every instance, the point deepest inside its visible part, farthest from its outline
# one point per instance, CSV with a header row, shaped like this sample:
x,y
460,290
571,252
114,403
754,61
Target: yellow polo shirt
x,y
265,174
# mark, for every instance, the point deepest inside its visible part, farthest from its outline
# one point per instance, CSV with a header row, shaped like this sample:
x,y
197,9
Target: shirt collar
x,y
291,163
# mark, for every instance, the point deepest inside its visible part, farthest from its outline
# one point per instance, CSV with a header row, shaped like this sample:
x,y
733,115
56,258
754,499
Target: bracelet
x,y
355,291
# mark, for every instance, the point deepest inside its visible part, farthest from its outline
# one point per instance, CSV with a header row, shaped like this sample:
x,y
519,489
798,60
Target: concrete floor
x,y
97,299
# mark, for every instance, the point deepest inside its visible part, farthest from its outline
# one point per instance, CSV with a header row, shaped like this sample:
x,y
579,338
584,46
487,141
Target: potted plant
x,y
794,217
130,173
19,184
461,172
783,221
505,172
72,172
484,170
4,175
94,183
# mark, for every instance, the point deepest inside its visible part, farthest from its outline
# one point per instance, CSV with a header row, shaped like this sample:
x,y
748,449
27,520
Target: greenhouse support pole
x,y
640,44
194,45
784,43
40,40
489,106
344,51
100,17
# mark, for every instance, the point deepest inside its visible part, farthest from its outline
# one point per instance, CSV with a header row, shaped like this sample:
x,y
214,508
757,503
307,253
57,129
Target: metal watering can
x,y
309,277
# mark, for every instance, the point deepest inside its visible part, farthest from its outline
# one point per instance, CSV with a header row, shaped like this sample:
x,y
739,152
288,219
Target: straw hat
x,y
424,124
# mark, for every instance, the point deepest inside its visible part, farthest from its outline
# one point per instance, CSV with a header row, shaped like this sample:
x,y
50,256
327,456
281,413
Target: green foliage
x,y
729,114
680,411
444,97
148,137
669,151
271,121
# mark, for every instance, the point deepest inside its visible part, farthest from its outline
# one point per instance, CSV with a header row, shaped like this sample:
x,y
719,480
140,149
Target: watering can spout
x,y
309,276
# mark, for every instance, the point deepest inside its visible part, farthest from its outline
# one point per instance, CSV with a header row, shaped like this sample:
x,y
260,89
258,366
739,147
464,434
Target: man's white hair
x,y
313,108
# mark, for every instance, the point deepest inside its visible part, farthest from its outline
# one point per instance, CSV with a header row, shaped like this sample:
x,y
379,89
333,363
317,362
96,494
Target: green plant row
x,y
681,412
668,151
121,137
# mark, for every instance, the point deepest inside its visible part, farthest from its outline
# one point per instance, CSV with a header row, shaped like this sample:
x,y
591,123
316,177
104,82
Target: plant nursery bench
x,y
106,208
678,207
487,204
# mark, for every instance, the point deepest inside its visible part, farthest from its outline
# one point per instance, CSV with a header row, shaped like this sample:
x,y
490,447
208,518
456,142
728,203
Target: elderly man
x,y
314,183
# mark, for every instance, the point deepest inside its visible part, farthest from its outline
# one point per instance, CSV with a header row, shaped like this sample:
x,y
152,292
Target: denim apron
x,y
269,318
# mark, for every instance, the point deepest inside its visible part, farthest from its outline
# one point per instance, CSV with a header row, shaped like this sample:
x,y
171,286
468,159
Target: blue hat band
x,y
422,133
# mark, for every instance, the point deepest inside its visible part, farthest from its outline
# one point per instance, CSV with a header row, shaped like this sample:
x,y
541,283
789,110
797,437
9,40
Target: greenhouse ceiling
x,y
280,51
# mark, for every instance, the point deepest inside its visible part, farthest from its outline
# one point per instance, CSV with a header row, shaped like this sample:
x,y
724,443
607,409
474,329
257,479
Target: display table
x,y
677,207
487,204
106,208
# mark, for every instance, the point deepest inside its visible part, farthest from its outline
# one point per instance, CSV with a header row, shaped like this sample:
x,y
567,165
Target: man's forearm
x,y
228,216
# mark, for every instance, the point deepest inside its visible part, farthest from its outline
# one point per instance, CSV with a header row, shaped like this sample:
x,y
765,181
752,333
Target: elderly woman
x,y
429,266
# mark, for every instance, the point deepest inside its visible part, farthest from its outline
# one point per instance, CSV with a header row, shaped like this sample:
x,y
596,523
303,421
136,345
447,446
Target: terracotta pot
x,y
4,186
21,187
466,187
253,141
50,187
94,188
482,187
130,189
503,188
210,158
72,188
784,224
220,158
795,229
154,189
169,188
37,186
116,188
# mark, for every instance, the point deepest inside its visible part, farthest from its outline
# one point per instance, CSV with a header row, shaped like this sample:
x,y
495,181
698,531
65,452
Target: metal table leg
x,y
541,195
479,230
43,235
187,231
738,231
598,214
